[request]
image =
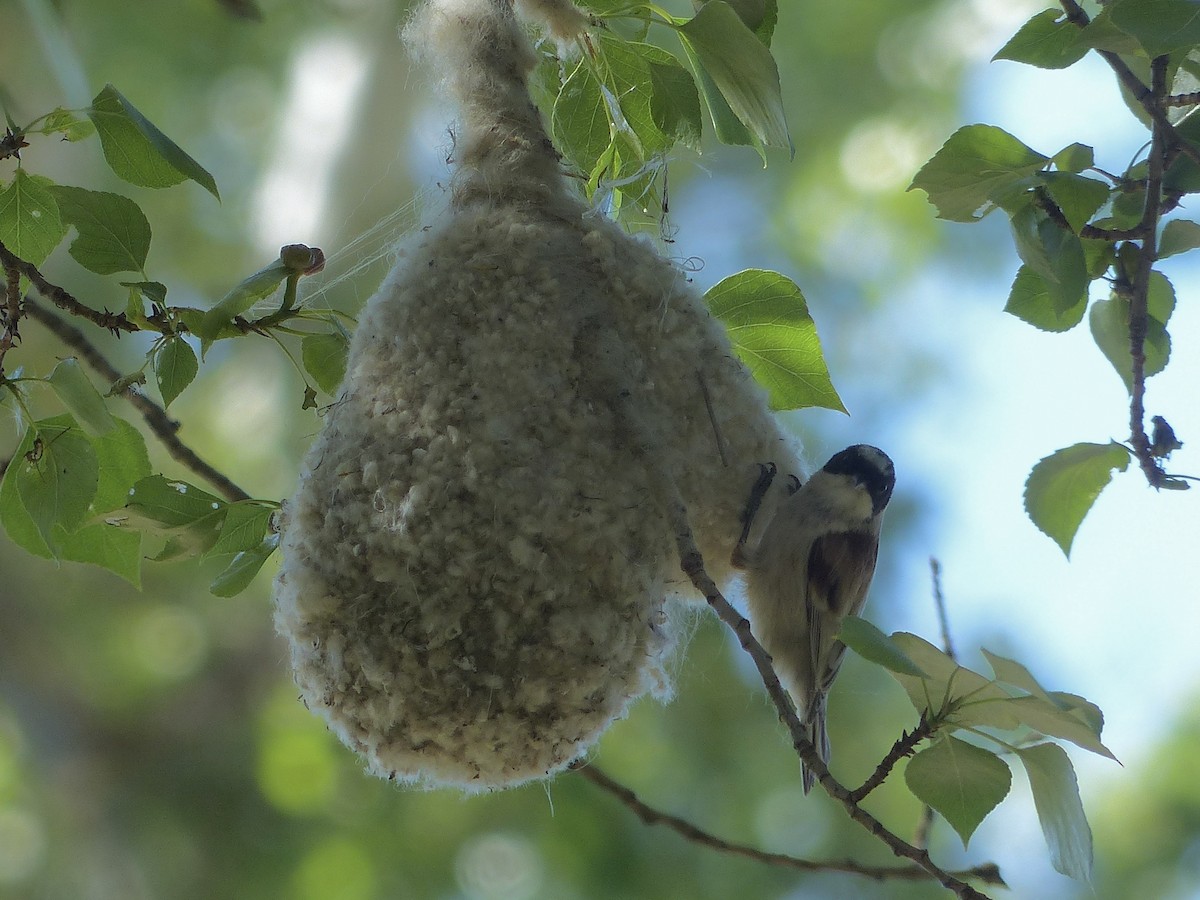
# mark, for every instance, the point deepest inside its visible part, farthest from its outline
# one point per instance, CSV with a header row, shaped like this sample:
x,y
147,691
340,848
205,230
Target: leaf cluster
x,y
1076,226
1008,716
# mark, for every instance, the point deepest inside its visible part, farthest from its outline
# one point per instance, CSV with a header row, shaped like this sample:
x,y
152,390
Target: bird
x,y
810,569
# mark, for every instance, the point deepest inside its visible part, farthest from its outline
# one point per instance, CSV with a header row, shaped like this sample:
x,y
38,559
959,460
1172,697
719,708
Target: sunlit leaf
x,y
67,123
1160,26
1062,487
946,682
976,165
113,234
741,68
773,334
1077,196
675,101
1075,158
1030,300
962,782
1178,236
580,120
1056,797
1048,41
1109,321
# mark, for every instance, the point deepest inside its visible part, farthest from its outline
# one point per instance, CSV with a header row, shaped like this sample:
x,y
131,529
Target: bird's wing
x,y
840,567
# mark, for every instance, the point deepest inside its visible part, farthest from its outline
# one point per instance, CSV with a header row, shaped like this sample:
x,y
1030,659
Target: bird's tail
x,y
814,724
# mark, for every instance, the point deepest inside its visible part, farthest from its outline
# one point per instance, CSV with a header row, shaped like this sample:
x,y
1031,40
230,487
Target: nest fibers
x,y
475,571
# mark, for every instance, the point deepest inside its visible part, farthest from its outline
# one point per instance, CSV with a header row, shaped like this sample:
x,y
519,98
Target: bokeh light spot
x,y
499,866
337,869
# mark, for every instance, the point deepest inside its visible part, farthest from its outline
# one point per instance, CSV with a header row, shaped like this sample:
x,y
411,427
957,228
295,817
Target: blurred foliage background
x,y
151,744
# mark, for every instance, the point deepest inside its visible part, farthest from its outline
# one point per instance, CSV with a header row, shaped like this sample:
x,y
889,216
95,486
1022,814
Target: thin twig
x,y
988,873
163,426
939,602
1190,99
903,747
114,322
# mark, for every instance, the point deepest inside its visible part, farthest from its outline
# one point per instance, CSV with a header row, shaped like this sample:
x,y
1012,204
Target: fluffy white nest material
x,y
475,571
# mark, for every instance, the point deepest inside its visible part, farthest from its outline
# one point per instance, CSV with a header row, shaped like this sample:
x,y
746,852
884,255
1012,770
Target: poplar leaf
x,y
1062,487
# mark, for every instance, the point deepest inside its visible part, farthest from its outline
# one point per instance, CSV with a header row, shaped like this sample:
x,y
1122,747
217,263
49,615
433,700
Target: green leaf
x,y
1031,301
1053,253
245,294
137,151
1047,717
1062,487
170,503
154,291
1074,158
244,567
1056,797
727,126
1012,672
741,68
175,366
81,398
1048,41
773,334
1160,26
872,644
123,460
324,357
1102,34
244,528
113,234
1078,197
68,124
1178,236
962,782
675,101
57,477
946,682
117,549
30,224
580,119
1109,321
21,528
627,77
978,164
1160,298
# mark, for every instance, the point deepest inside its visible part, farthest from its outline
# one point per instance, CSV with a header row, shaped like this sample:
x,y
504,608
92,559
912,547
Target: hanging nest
x,y
476,574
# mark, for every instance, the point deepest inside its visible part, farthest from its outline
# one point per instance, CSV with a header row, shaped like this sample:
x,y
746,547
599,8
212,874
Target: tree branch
x,y
1139,298
162,425
987,873
114,322
692,564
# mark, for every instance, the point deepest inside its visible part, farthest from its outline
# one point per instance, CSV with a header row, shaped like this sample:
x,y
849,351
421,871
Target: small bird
x,y
811,568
